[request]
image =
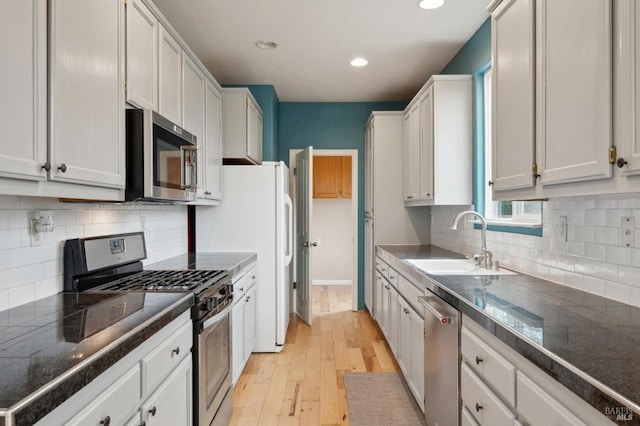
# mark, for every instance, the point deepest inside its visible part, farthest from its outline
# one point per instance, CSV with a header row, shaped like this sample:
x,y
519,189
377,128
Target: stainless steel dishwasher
x,y
441,361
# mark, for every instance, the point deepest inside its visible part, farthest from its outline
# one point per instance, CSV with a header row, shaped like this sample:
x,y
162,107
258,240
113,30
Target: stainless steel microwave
x,y
162,159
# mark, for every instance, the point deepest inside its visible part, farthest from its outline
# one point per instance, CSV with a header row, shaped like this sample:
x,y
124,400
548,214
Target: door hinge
x,y
126,83
534,170
373,125
613,154
295,285
295,170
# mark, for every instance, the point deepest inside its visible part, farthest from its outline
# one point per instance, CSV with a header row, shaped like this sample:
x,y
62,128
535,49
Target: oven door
x,y
214,364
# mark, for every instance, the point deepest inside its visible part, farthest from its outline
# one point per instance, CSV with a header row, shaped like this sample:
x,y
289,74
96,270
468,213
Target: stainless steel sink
x,y
455,267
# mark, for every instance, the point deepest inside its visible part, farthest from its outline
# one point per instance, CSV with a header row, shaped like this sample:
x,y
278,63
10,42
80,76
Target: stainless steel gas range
x,y
114,263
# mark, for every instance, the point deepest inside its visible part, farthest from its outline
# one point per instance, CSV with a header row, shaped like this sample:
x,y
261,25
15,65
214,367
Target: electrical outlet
x,y
562,228
628,231
36,237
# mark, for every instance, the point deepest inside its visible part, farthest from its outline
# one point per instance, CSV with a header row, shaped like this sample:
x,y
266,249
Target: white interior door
x,y
304,199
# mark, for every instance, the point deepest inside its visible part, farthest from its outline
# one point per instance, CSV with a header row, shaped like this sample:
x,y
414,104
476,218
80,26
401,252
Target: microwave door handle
x,y
189,175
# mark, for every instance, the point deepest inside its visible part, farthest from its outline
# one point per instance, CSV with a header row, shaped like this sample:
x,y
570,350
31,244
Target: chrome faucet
x,y
485,255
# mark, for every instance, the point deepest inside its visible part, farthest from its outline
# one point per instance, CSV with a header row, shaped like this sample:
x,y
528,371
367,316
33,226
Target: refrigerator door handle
x,y
289,214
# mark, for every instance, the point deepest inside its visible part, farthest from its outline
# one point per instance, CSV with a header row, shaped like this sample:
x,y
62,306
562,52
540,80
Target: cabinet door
x,y
574,89
368,168
171,404
412,155
404,337
487,408
416,375
237,339
169,77
345,177
212,163
377,297
87,92
513,95
326,182
368,264
384,324
252,135
23,35
193,84
249,322
259,124
142,56
426,145
117,403
406,144
392,328
539,408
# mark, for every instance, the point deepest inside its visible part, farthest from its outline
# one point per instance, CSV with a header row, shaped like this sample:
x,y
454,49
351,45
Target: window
x,y
503,213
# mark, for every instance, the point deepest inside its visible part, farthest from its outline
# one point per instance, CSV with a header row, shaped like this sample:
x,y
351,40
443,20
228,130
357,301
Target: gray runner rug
x,y
380,399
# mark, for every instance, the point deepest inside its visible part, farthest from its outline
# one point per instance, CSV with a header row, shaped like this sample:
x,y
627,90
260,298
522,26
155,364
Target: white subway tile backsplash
x,y
592,258
28,273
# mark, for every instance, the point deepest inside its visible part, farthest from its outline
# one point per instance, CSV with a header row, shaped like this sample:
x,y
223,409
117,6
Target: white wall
x,y
592,259
332,225
29,273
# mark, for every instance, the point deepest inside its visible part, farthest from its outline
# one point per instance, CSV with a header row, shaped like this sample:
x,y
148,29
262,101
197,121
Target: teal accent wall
x,y
267,98
329,125
474,58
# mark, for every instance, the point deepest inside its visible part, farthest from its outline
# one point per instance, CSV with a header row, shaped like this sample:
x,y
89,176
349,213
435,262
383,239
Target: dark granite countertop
x,y
51,348
233,262
588,343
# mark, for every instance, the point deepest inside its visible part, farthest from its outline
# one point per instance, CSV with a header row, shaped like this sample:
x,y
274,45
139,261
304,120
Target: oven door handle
x,y
217,317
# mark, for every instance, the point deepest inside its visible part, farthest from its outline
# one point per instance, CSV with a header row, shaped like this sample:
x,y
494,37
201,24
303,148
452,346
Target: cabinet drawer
x,y
243,283
118,402
484,404
393,277
411,293
383,267
159,363
537,407
499,373
467,419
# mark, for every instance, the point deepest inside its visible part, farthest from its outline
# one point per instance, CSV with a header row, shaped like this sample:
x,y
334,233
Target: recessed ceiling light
x,y
359,62
266,44
430,4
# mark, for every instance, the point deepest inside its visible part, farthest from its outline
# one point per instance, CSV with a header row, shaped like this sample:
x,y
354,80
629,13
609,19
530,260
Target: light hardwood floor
x,y
303,384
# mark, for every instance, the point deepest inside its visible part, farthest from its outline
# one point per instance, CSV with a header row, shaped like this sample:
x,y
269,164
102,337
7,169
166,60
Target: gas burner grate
x,y
166,280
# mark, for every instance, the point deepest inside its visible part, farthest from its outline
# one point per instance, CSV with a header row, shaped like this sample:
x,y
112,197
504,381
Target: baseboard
x,y
331,282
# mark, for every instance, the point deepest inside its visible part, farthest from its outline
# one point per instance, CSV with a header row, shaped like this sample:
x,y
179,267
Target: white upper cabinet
x,y
193,84
574,89
242,128
170,77
87,92
142,56
212,156
23,31
438,150
513,94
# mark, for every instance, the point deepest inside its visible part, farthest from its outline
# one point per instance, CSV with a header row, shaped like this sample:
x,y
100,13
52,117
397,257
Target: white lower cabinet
x,y
481,401
158,373
411,349
537,407
171,403
243,320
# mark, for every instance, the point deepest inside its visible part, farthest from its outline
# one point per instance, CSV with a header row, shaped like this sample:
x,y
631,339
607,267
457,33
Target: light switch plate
x,y
628,231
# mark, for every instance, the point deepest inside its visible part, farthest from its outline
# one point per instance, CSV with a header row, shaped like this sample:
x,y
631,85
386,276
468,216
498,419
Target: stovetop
x,y
195,281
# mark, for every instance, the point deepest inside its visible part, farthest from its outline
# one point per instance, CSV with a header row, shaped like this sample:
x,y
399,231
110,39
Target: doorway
x,y
334,228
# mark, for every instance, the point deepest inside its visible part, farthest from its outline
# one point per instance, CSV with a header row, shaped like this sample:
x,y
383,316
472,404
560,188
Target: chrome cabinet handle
x,y
478,360
153,411
106,421
176,351
46,166
63,168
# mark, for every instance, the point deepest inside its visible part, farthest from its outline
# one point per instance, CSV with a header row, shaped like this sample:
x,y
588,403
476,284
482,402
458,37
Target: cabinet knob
x,y
392,277
106,421
409,197
46,166
621,162
207,192
241,289
153,411
63,168
490,183
478,360
175,351
478,407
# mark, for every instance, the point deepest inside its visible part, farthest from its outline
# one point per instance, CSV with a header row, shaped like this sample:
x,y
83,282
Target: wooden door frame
x,y
353,153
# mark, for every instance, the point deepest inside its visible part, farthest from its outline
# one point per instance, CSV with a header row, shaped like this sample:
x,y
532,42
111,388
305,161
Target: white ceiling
x,y
317,38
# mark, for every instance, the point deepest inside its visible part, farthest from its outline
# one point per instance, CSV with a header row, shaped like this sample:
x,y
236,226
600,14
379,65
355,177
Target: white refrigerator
x,y
256,215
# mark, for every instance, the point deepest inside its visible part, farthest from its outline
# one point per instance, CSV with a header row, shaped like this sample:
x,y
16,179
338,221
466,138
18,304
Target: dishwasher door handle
x,y
424,301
